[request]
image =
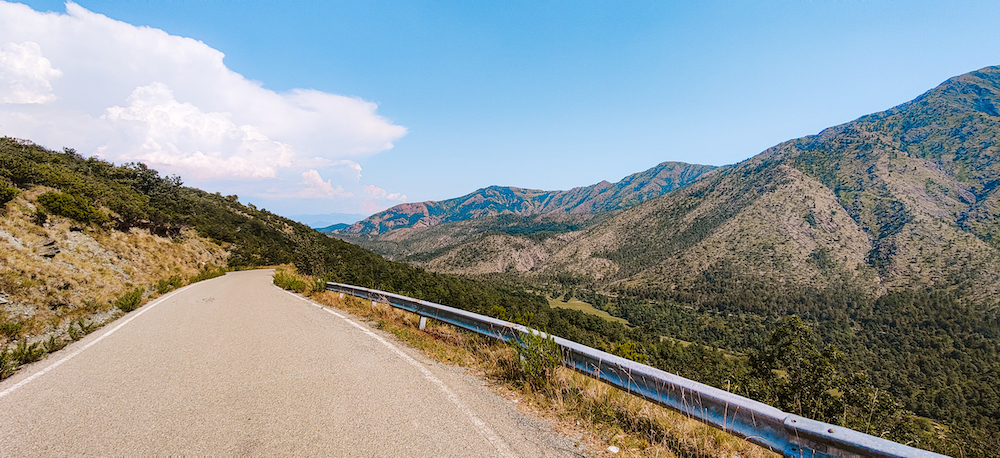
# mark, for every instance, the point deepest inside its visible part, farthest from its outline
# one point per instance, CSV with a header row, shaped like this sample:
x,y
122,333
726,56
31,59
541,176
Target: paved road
x,y
236,366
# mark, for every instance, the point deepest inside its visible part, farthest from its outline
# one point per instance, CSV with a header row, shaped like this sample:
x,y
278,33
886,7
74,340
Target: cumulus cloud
x,y
316,188
155,128
125,92
25,74
378,193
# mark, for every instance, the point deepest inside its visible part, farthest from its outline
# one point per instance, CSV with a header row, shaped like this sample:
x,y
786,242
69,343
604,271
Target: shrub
x,y
207,272
170,284
130,300
80,330
10,329
539,356
7,363
7,193
25,353
40,217
290,281
54,344
75,207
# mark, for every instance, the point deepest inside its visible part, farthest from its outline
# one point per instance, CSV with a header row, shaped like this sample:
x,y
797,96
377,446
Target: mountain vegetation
x,y
881,234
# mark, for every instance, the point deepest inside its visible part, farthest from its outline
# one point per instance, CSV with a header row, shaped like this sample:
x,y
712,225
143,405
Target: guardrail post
x,y
341,295
373,305
423,323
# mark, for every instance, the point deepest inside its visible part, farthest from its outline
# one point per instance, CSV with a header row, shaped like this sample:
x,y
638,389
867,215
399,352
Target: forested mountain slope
x,y
506,200
904,198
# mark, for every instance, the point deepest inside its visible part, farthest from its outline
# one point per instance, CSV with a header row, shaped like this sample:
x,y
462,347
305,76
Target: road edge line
x,y
70,356
484,429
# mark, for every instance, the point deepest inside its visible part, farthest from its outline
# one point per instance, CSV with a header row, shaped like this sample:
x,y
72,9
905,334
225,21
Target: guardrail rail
x,y
759,423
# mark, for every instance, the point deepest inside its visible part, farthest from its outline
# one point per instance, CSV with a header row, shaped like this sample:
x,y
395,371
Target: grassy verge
x,y
606,415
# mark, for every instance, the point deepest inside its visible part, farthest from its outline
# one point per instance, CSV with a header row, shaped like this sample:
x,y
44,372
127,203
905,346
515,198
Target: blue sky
x,y
547,95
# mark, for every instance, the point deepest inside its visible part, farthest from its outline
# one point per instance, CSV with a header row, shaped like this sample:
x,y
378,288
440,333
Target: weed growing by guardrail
x,y
129,301
290,281
539,356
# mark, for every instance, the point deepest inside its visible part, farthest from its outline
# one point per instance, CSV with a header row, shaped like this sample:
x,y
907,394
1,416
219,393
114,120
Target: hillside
x,y
881,232
905,198
506,200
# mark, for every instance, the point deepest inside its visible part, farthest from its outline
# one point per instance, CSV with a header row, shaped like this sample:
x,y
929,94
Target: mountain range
x,y
904,198
507,200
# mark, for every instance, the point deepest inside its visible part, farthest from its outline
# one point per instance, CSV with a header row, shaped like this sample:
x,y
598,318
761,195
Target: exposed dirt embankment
x,y
54,271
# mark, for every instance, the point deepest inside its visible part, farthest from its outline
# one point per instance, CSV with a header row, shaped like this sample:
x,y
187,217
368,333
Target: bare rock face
x,y
48,249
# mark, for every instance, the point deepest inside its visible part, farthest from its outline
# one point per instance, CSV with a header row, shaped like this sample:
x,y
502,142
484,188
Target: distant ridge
x,y
333,227
507,200
326,220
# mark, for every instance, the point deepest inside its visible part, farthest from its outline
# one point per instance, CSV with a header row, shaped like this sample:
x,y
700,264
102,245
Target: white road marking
x,y
484,429
91,343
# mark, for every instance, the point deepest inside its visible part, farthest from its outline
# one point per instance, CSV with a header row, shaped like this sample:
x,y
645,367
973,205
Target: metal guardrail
x,y
759,423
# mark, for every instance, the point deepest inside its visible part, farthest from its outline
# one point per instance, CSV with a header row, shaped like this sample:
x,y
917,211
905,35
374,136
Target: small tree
x,y
795,376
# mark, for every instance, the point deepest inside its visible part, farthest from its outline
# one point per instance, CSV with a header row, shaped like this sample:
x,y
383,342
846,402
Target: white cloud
x,y
103,86
25,74
316,188
157,129
353,167
378,193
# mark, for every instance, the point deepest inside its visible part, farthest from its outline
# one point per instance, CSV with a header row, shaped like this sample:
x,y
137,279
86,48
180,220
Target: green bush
x,y
130,300
25,353
7,193
21,354
75,207
81,329
290,281
207,272
10,329
54,344
170,284
539,357
7,363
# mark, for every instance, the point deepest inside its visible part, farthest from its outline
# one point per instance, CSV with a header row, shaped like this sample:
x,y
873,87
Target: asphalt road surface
x,y
237,366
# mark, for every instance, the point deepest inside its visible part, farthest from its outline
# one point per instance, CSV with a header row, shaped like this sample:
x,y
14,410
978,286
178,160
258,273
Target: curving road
x,y
237,366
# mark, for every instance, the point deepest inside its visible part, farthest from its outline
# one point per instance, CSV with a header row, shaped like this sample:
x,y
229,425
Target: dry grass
x,y
94,267
604,415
